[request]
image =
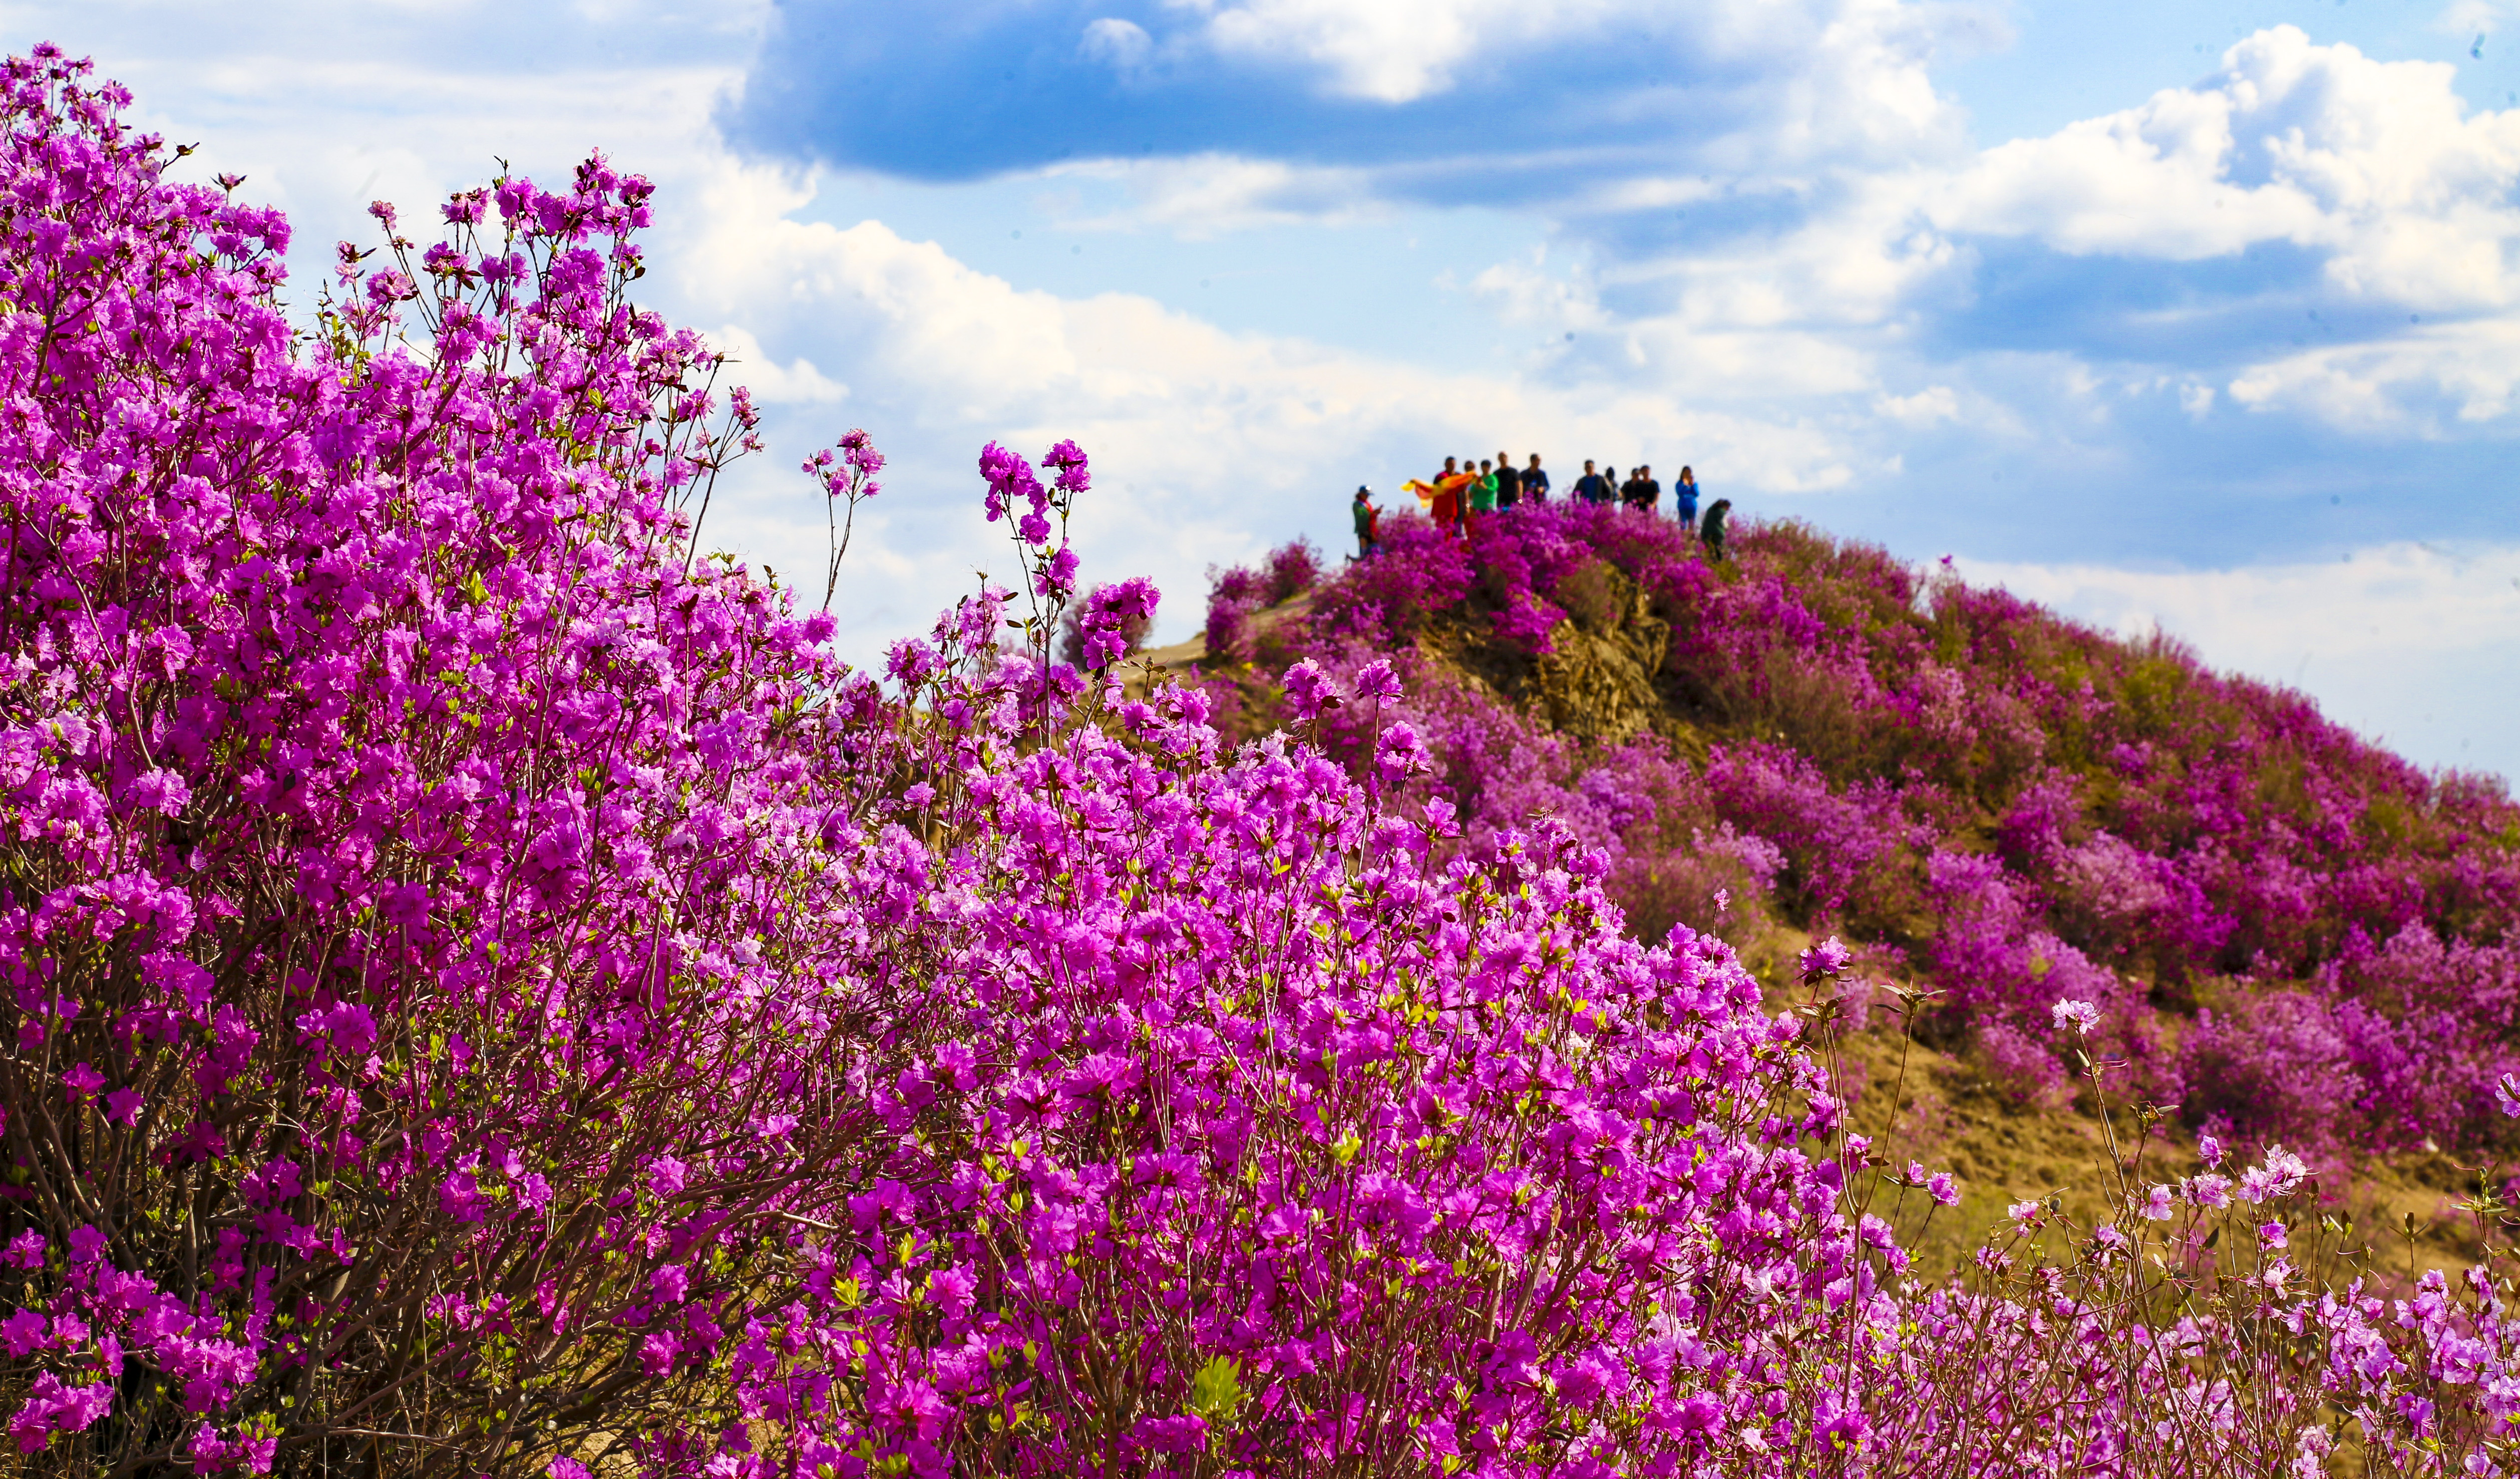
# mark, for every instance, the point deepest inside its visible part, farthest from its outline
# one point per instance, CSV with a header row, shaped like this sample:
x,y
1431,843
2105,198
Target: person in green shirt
x,y
1369,520
1483,492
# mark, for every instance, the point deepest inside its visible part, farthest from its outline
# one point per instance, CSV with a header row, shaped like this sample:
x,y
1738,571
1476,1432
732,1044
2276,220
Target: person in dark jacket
x,y
1508,483
1711,533
1535,481
1592,487
1369,521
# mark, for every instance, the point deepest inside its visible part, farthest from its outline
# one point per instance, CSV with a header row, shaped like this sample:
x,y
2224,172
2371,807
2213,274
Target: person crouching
x,y
1711,533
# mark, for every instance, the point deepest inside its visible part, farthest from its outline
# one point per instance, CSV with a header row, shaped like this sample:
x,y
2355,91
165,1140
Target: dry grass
x,y
1951,1117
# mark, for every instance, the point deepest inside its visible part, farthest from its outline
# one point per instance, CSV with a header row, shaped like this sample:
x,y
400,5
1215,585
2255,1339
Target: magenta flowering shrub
x,y
491,994
1839,843
2277,1057
401,836
1277,1144
1503,771
1233,596
2021,1062
1236,595
1417,571
1291,568
2383,1035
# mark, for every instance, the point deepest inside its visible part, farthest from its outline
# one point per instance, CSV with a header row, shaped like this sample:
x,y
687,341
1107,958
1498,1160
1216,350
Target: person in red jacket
x,y
1446,506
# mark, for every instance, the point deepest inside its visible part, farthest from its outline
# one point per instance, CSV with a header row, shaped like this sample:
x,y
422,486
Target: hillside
x,y
2292,935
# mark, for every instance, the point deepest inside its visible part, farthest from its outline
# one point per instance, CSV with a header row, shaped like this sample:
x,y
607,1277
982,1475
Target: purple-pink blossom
x,y
2080,1016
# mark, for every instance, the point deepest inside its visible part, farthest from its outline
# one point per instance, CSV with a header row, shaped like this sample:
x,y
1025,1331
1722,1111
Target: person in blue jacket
x,y
1685,494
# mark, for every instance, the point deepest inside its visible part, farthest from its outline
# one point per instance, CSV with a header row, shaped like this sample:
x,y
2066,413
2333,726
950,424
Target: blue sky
x,y
2204,316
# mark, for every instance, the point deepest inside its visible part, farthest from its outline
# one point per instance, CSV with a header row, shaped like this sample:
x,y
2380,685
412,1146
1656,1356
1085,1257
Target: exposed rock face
x,y
1599,680
1596,682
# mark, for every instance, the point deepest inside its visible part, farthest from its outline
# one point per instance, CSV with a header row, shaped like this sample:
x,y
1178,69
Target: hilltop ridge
x,y
2292,935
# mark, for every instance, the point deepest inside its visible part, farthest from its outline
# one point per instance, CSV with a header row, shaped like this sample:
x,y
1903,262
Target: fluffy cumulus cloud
x,y
2197,232
1202,196
1767,211
1393,52
2397,201
2465,372
1451,98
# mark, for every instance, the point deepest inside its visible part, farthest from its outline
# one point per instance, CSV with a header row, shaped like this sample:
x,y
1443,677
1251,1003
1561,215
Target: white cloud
x,y
2406,198
1197,431
796,383
2150,181
2396,385
1868,93
1858,261
410,132
1527,294
1817,78
2374,602
1202,196
2377,169
1394,51
2377,164
1809,316
1119,44
1932,404
2473,18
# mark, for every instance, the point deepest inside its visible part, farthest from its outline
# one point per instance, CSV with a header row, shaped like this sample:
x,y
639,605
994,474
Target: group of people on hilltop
x,y
1461,493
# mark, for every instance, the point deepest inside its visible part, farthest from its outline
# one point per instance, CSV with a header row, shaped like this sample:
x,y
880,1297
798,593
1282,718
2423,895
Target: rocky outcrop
x,y
1598,682
1598,679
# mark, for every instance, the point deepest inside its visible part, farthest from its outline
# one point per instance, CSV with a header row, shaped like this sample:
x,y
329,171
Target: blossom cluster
x,y
1110,623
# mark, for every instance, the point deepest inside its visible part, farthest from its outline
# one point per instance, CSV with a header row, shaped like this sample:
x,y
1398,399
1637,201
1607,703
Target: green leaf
x,y
1216,1391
